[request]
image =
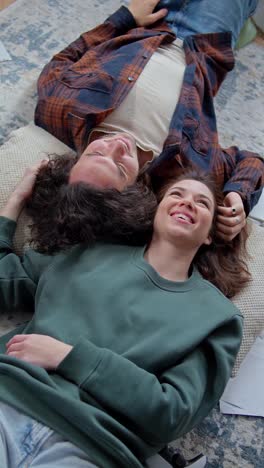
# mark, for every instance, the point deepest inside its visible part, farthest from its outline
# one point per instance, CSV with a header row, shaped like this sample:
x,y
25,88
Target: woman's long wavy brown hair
x,y
66,214
222,263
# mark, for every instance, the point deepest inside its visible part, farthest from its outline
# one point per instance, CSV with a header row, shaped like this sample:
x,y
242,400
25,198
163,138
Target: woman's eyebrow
x,y
183,189
201,195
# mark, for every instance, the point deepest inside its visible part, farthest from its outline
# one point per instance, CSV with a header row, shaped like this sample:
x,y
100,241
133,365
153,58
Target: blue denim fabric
x,y
26,442
188,17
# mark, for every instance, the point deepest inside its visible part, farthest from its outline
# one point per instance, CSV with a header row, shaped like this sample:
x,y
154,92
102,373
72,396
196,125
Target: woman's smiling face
x,y
185,213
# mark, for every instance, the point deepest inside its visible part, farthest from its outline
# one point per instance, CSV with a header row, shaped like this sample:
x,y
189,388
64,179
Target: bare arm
x,y
23,190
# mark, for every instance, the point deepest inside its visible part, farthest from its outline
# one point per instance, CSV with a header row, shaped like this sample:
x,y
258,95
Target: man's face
x,y
108,162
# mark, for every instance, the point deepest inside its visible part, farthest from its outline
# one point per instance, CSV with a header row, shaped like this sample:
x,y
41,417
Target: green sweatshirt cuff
x,y
81,362
7,230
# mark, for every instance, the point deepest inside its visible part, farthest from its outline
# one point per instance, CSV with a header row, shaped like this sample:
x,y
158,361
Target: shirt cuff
x,y
7,230
81,362
122,19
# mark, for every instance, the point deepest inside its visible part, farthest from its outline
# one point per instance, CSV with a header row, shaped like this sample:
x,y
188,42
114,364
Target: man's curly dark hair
x,y
66,214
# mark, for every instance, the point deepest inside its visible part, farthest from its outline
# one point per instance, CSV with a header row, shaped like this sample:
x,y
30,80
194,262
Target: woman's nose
x,y
188,201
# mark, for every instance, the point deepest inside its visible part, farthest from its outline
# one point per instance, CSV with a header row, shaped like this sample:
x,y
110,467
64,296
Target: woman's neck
x,y
169,261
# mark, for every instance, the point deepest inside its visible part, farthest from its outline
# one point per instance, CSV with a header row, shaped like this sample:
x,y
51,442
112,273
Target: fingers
x,y
229,228
156,16
142,10
15,346
227,233
25,186
231,221
230,211
36,167
30,173
231,218
232,214
227,237
16,339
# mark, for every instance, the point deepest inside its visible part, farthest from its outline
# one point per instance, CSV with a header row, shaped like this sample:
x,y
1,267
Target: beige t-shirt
x,y
158,88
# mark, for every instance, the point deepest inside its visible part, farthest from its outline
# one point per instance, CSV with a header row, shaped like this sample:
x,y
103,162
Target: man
x,y
129,83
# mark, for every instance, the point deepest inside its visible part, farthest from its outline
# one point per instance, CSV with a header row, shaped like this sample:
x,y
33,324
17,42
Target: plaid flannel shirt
x,y
86,81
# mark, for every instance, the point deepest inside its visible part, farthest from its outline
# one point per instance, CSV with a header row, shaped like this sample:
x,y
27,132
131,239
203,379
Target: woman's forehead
x,y
193,186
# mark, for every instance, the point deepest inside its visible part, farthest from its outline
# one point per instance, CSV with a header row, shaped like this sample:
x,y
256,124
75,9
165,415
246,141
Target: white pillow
x,y
31,143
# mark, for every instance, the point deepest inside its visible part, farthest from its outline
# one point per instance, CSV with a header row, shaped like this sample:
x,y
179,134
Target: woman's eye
x,y
203,202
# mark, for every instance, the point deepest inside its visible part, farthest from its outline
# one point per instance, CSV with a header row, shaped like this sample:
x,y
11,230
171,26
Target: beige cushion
x,y
30,144
251,300
24,147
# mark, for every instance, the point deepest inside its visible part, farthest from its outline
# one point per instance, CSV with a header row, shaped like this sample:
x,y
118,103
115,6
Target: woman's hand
x,y
22,192
231,218
25,187
40,350
142,10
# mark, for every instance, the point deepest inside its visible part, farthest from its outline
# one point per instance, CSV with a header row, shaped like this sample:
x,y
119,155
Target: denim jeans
x,y
188,17
25,442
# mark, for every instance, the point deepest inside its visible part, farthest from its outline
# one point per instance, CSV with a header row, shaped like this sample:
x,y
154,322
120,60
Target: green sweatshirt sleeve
x,y
18,275
164,407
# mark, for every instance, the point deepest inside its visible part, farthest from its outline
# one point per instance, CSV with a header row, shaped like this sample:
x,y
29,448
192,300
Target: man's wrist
x,y
123,20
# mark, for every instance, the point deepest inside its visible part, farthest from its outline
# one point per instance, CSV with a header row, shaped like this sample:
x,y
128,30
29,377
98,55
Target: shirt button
x,y
145,56
130,78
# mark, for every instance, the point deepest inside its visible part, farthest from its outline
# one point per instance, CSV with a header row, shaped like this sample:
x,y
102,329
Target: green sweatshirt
x,y
150,357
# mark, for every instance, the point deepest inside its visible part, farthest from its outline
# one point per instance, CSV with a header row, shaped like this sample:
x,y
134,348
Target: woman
x,y
128,348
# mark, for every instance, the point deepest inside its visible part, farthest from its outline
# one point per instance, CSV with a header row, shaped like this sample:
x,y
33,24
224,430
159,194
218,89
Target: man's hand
x,y
22,191
231,218
142,10
40,350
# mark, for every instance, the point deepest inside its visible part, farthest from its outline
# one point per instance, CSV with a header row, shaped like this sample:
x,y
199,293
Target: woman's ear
x,y
209,240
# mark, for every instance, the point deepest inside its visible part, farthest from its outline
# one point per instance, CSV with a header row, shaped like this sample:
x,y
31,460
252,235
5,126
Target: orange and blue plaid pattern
x,y
85,82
